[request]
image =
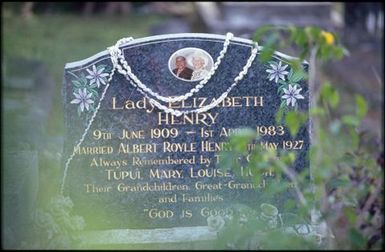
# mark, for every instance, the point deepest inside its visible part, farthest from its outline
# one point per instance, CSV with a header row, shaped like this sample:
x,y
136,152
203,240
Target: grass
x,y
58,39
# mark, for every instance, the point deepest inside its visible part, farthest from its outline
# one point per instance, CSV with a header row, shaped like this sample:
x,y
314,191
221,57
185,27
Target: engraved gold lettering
x,y
114,104
258,101
122,175
179,147
137,148
207,119
105,162
214,146
139,134
91,188
93,150
208,173
160,174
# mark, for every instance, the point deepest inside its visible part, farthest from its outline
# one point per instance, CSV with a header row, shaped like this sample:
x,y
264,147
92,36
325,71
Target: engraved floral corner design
x,y
288,80
85,87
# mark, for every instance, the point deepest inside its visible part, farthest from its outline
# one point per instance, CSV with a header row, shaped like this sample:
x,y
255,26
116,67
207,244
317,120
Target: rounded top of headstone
x,y
172,37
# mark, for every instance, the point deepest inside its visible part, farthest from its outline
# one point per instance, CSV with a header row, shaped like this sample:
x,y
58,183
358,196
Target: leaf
x,y
293,33
315,32
294,120
93,86
339,53
317,111
339,182
298,75
362,107
351,120
357,240
300,39
266,54
100,67
241,138
355,139
83,79
326,89
260,32
94,92
77,83
279,115
288,159
334,99
280,89
290,205
79,111
92,108
228,161
330,94
350,214
290,75
295,64
268,48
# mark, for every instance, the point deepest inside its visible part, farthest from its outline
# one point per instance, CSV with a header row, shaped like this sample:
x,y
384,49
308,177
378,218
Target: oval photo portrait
x,y
190,64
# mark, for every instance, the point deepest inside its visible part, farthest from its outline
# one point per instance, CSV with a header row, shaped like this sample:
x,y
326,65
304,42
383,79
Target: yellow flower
x,y
328,37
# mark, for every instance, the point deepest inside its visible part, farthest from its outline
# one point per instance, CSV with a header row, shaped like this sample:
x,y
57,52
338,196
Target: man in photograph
x,y
181,70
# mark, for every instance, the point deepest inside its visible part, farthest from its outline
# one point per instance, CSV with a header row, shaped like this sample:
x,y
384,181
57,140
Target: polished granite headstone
x,y
164,172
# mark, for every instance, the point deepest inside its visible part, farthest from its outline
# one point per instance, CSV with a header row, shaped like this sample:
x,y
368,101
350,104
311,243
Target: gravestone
x,y
235,16
19,195
140,174
24,81
27,88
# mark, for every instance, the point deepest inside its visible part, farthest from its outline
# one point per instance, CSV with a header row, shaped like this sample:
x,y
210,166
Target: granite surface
x,y
149,61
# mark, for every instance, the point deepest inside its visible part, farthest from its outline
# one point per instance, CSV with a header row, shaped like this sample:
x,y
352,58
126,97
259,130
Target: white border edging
x,y
165,37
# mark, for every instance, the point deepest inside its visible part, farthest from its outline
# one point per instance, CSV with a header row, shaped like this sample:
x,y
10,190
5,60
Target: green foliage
x,y
347,181
326,44
362,108
346,185
296,75
55,227
256,228
329,95
357,239
294,120
239,144
269,49
345,178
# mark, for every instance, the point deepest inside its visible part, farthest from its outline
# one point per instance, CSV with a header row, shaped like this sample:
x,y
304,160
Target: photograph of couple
x,y
190,64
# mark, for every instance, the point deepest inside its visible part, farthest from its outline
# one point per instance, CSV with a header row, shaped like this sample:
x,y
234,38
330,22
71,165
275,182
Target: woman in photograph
x,y
199,62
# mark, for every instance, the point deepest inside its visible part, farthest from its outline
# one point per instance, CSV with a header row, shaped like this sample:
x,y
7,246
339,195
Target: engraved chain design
x,y
114,53
117,55
178,113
